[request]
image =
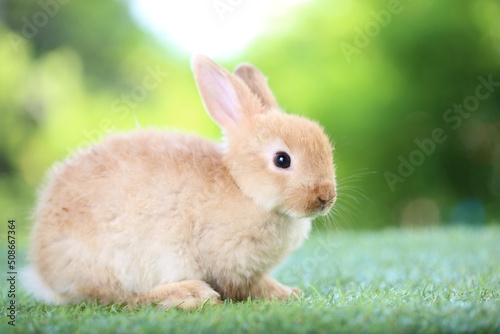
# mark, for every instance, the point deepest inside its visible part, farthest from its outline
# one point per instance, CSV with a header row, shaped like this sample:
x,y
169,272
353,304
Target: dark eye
x,y
282,160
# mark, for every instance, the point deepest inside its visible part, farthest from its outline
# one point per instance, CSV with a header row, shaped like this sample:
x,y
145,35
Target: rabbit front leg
x,y
185,295
268,288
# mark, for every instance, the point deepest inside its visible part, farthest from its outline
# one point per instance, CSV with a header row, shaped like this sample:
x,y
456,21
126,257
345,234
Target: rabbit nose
x,y
325,193
322,201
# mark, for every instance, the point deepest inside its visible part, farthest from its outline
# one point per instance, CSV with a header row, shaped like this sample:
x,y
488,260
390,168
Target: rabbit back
x,y
114,216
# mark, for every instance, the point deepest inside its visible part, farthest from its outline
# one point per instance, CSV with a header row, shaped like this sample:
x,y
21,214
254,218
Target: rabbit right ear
x,y
226,97
257,83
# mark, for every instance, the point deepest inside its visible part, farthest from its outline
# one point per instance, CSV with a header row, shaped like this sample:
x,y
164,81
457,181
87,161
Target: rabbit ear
x,y
257,83
227,99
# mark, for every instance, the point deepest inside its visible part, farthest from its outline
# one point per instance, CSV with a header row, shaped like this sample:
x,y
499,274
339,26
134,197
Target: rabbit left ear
x,y
257,83
227,99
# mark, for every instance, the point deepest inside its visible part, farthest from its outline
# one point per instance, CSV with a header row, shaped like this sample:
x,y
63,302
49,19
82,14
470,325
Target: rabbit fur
x,y
178,220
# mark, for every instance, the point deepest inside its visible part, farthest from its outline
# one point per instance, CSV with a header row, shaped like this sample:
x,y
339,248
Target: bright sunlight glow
x,y
217,28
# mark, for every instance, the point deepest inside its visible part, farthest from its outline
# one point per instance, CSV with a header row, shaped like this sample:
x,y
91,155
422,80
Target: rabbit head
x,y
283,162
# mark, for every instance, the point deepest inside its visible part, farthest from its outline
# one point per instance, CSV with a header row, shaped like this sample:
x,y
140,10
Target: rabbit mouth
x,y
323,207
312,210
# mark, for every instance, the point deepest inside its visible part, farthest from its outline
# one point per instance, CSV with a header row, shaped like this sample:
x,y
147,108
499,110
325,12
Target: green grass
x,y
444,280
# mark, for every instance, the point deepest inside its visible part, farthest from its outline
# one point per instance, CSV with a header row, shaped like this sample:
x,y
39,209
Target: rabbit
x,y
176,220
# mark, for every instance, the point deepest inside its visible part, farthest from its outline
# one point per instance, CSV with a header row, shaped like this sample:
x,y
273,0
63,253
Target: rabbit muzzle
x,y
324,195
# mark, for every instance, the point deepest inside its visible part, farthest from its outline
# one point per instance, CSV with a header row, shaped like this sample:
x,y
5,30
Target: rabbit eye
x,y
282,160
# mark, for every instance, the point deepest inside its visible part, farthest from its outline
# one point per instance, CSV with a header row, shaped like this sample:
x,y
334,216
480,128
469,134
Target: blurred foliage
x,y
379,75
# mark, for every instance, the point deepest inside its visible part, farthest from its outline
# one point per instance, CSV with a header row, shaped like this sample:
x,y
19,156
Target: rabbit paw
x,y
269,288
185,295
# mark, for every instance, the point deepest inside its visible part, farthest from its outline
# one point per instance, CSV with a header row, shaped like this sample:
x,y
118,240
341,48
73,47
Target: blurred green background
x,y
409,92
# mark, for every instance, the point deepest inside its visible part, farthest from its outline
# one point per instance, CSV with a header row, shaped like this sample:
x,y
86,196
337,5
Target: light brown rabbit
x,y
178,220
